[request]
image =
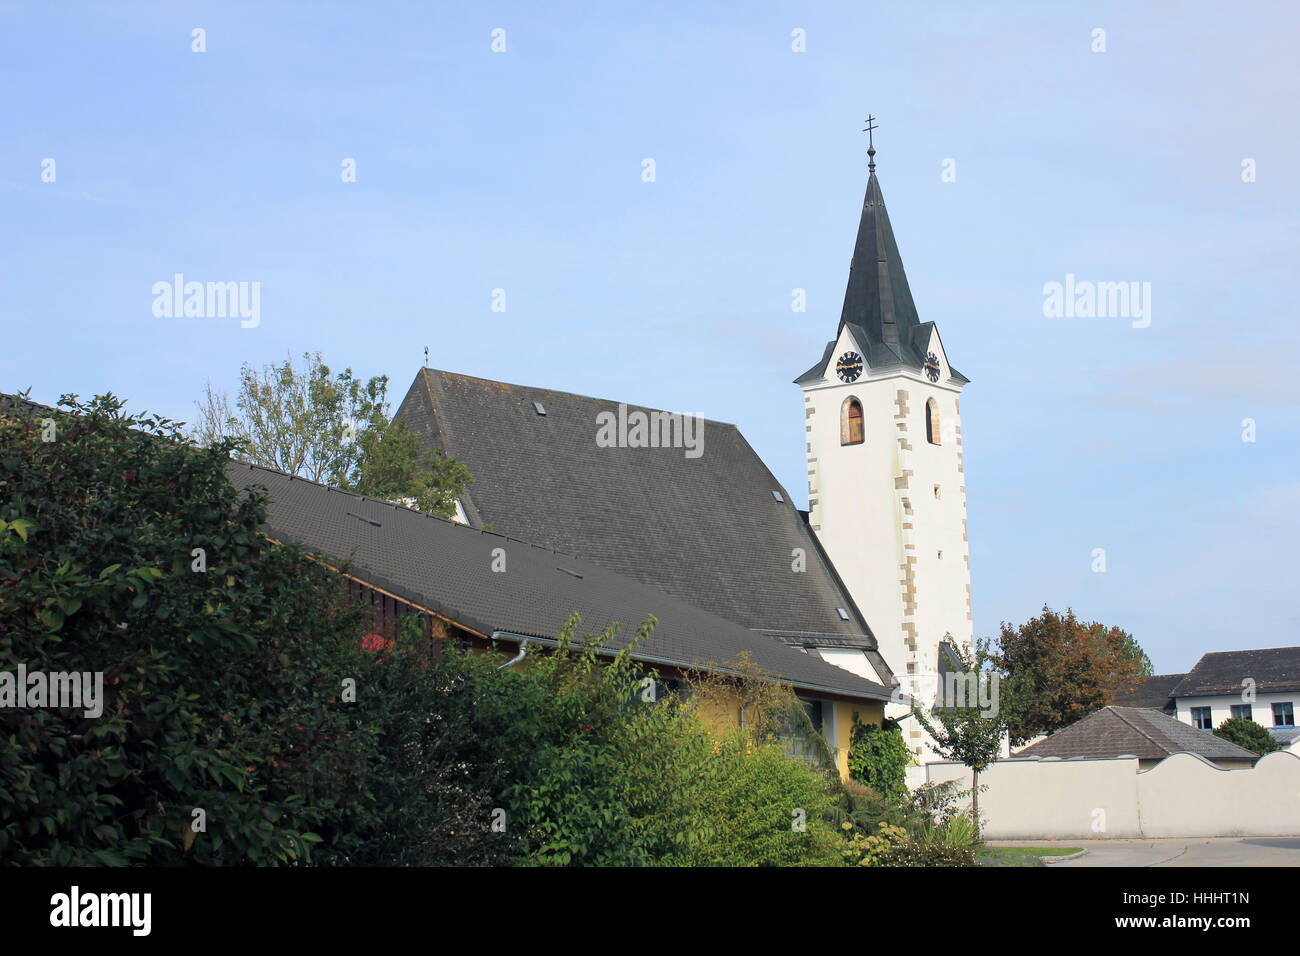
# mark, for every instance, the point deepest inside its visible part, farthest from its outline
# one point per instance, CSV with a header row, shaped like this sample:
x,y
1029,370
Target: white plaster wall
x,y
1221,707
1187,796
1053,799
858,512
1182,796
851,660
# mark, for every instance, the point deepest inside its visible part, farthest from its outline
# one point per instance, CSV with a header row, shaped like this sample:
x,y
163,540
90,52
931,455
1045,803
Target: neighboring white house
x,y
1260,685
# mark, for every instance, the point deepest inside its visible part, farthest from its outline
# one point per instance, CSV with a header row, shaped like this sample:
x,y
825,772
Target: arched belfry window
x,y
851,422
932,421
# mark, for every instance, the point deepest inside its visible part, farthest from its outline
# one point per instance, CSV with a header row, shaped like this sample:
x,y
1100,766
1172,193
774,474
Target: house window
x,y
794,738
813,708
1243,711
851,422
1201,718
932,421
1283,714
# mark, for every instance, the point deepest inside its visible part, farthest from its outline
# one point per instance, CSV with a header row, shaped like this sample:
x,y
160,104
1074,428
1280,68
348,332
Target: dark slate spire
x,y
878,306
877,299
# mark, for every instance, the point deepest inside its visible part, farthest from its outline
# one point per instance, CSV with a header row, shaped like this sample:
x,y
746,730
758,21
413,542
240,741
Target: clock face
x,y
849,367
932,367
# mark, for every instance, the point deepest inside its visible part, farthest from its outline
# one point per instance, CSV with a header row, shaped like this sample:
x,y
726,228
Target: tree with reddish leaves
x,y
1058,669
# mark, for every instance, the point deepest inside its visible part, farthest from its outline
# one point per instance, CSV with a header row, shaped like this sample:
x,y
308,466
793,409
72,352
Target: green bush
x,y
1248,734
890,845
958,831
221,687
878,758
764,809
865,810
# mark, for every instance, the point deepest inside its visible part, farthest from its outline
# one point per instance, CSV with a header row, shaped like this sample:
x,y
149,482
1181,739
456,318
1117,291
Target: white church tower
x,y
886,488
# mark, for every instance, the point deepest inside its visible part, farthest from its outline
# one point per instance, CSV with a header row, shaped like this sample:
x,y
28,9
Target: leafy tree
x,y
125,551
393,464
333,429
1248,734
1130,650
1057,669
961,729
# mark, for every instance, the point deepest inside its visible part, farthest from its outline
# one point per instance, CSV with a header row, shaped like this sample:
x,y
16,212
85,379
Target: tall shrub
x,y
878,758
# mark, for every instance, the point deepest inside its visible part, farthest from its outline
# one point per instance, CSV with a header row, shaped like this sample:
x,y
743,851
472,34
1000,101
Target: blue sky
x,y
522,170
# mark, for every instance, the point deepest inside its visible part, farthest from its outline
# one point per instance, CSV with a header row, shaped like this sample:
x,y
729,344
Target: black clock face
x,y
932,367
849,367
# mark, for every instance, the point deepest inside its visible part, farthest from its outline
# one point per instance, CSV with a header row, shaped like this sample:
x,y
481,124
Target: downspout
x,y
523,648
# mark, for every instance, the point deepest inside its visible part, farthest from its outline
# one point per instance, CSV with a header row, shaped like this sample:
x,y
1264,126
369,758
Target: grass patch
x,y
1021,855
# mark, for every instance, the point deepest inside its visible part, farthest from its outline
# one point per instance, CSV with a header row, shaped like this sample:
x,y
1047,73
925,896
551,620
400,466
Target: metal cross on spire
x,y
871,146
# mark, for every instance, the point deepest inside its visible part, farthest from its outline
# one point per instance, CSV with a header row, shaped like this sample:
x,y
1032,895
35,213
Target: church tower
x,y
886,488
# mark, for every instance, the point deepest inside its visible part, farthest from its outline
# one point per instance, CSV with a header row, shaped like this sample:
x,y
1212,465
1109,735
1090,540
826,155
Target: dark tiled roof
x,y
16,403
1273,669
705,530
1144,733
1156,692
447,568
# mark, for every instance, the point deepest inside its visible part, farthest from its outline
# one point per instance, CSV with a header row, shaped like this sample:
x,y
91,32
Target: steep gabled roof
x,y
707,530
447,568
1273,669
1137,731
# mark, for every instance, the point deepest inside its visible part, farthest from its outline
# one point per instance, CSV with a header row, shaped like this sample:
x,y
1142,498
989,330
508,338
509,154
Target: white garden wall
x,y
1182,796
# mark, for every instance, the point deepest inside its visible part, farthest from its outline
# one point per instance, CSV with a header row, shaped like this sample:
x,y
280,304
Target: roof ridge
x,y
1247,650
1133,726
589,398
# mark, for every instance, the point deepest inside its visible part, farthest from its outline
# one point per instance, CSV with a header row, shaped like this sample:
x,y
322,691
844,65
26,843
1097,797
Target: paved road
x,y
1201,851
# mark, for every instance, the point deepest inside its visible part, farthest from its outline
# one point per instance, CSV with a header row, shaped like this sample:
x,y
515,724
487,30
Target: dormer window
x,y
851,422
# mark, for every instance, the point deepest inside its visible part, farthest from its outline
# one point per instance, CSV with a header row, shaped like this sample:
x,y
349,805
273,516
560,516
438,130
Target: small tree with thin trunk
x,y
966,720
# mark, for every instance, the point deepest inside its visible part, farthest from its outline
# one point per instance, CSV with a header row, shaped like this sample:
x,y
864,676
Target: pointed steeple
x,y
878,307
878,300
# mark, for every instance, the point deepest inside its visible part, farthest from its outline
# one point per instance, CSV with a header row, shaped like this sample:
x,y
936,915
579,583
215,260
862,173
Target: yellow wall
x,y
724,713
721,711
868,713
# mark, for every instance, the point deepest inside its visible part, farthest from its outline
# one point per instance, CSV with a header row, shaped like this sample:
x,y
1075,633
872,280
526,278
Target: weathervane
x,y
426,356
871,146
